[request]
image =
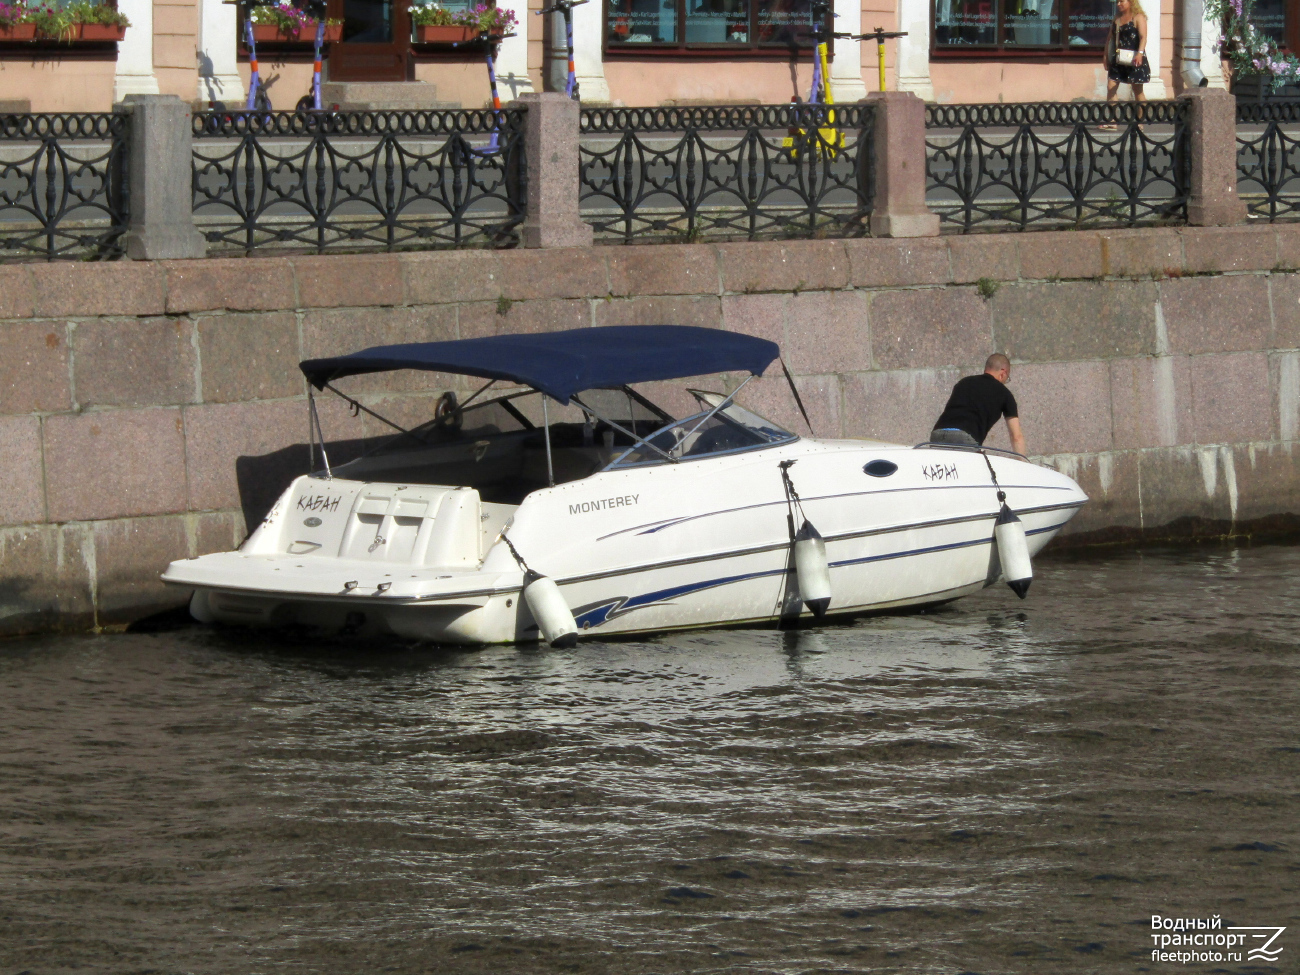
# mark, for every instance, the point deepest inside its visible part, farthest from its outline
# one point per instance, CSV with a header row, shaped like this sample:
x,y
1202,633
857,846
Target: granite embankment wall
x,y
148,408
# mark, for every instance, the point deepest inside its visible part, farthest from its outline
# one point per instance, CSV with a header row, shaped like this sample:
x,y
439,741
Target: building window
x,y
1280,20
1270,17
1021,27
667,26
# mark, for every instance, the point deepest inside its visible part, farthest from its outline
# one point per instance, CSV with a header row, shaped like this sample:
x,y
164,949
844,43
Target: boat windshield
x,y
502,447
729,430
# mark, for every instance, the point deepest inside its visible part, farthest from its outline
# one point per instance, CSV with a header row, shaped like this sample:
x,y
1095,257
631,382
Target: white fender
x,y
812,569
552,613
1013,551
199,607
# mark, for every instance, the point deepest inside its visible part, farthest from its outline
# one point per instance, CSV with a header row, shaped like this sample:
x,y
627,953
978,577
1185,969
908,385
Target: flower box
x,y
271,34
18,32
449,34
100,32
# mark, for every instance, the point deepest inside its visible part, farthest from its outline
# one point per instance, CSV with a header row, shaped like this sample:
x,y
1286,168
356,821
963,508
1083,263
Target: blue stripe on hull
x,y
606,610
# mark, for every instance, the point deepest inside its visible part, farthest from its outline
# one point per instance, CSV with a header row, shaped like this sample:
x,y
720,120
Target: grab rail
x,y
963,446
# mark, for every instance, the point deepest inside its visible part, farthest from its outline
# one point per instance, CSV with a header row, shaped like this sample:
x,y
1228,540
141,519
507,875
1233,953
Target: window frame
x,y
1000,50
729,50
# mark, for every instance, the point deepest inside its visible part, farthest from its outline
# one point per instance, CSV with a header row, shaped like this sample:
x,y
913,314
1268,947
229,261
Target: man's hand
x,y
1017,438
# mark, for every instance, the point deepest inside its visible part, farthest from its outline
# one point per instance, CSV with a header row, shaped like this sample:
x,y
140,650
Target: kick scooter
x,y
493,43
880,34
830,140
310,102
258,100
565,8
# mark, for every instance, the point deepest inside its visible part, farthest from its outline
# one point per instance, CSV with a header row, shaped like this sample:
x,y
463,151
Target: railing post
x,y
551,149
161,222
898,142
1212,199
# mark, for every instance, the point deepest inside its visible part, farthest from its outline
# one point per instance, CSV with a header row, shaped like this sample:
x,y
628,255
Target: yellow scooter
x,y
830,140
881,35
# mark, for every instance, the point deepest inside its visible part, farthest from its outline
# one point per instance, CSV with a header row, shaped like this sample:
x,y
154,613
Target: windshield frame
x,y
618,463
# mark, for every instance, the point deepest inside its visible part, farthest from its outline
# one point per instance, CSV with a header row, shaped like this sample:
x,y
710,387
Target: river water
x,y
990,787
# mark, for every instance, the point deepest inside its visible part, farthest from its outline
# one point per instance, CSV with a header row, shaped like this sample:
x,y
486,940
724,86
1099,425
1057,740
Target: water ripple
x,y
994,786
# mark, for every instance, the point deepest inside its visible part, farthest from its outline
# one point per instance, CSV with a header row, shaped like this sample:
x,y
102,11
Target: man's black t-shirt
x,y
976,403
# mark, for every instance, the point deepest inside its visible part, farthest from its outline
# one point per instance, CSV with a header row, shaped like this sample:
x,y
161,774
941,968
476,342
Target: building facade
x,y
635,53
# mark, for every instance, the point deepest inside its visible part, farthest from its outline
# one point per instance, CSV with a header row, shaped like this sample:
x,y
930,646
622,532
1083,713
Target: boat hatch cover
x,y
560,364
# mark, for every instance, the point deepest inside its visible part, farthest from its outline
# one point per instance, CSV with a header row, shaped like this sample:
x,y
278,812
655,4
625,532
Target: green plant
x,y
50,22
488,20
1251,51
987,288
85,12
110,16
503,305
432,15
287,18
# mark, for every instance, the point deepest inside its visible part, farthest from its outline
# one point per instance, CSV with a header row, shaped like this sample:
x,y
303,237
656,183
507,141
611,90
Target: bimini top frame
x,y
561,364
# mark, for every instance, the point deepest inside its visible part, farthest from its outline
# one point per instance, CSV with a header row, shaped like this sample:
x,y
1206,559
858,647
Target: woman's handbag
x,y
1123,56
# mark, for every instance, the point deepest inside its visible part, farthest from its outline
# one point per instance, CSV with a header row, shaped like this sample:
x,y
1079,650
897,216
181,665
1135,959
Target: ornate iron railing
x,y
63,185
1268,159
1053,165
358,180
726,172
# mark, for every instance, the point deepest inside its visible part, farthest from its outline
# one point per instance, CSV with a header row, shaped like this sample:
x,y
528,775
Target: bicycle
x,y
565,9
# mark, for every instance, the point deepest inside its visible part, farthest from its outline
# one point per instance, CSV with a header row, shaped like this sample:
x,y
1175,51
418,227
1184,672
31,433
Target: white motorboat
x,y
559,501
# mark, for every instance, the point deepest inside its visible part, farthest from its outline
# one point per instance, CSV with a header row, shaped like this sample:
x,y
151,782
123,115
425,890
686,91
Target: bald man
x,y
976,405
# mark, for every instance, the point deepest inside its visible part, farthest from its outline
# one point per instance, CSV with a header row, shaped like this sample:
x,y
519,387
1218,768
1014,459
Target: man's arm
x,y
1017,438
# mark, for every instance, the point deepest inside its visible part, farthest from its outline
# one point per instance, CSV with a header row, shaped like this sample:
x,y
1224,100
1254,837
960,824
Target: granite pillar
x,y
899,135
551,145
161,160
1212,197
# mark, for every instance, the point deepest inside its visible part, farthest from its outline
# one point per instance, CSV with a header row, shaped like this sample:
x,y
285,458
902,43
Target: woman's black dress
x,y
1127,37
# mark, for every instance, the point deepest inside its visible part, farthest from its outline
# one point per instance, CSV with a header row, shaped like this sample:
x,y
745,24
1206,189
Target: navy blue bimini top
x,y
563,363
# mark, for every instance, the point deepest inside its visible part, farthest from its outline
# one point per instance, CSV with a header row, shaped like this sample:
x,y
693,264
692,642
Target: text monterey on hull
x,y
559,501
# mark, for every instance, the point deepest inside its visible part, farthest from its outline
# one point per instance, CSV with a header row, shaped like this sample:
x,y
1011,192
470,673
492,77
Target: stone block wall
x,y
148,408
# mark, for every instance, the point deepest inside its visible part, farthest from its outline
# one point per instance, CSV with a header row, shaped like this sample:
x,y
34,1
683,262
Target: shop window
x,y
1021,27
1280,20
666,26
1270,17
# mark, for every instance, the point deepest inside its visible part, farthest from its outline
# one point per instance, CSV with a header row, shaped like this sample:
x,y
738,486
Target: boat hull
x,y
666,547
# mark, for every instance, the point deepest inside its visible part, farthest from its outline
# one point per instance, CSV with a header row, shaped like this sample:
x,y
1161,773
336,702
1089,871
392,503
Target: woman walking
x,y
1125,58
